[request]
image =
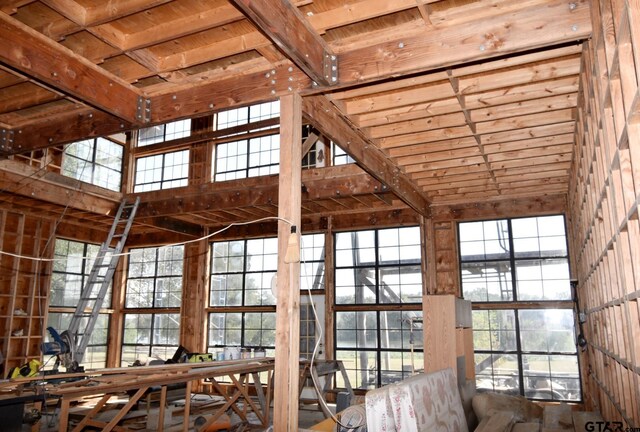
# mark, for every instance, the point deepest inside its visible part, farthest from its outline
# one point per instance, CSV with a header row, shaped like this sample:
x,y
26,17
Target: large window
x,y
163,171
152,301
242,271
379,268
241,277
97,161
164,132
246,115
71,268
149,337
248,158
506,264
241,299
155,278
95,355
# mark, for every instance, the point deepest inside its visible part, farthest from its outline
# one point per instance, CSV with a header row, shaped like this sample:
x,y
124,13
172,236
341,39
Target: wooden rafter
x,y
37,56
331,122
283,24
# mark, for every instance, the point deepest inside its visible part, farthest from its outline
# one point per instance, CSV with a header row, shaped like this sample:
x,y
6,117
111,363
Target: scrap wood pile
x,y
503,413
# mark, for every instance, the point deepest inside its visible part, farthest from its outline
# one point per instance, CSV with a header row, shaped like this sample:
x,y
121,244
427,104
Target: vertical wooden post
x,y
329,291
194,296
286,399
428,250
114,341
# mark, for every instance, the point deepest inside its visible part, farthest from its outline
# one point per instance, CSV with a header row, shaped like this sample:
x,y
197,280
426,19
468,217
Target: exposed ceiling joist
x,y
284,24
527,27
37,56
326,118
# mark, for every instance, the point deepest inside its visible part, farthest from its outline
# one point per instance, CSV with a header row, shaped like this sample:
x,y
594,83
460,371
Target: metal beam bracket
x,y
143,109
6,139
330,65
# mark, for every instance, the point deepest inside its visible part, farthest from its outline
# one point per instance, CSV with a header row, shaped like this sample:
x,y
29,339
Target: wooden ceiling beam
x,y
70,126
37,56
331,122
284,24
321,183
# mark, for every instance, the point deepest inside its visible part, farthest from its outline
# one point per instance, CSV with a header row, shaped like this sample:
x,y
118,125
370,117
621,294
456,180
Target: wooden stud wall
x,y
24,285
603,209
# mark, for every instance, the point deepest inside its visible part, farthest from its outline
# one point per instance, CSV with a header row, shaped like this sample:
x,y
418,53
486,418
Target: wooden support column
x,y
116,325
194,296
428,262
329,291
285,412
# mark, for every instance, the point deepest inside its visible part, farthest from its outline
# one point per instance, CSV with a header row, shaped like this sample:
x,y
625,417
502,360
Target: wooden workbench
x,y
242,374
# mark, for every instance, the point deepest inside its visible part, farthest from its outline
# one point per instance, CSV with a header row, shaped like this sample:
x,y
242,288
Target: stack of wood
x,y
504,413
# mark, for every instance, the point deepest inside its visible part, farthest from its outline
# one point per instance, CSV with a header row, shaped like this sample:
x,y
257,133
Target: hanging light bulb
x,y
293,247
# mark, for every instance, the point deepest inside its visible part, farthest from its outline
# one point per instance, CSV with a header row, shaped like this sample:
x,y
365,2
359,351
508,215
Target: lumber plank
x,y
498,421
557,416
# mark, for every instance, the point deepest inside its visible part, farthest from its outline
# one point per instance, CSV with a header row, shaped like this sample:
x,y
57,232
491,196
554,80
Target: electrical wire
x,y
316,385
159,247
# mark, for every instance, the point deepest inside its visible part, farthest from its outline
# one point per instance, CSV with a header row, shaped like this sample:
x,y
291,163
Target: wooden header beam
x,y
285,26
56,189
37,56
327,119
319,183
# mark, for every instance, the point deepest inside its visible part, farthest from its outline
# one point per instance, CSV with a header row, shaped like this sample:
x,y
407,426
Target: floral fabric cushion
x,y
424,402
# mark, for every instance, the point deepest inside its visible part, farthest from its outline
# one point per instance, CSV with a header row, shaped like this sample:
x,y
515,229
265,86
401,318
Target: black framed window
x,y
162,171
96,160
150,336
340,157
164,132
153,297
241,298
521,347
248,158
381,269
246,115
71,268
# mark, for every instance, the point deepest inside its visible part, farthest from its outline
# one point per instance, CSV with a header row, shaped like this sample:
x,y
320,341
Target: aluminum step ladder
x,y
95,289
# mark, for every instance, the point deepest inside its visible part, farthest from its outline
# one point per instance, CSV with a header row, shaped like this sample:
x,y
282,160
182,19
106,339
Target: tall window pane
x,y
97,161
378,268
154,281
520,350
